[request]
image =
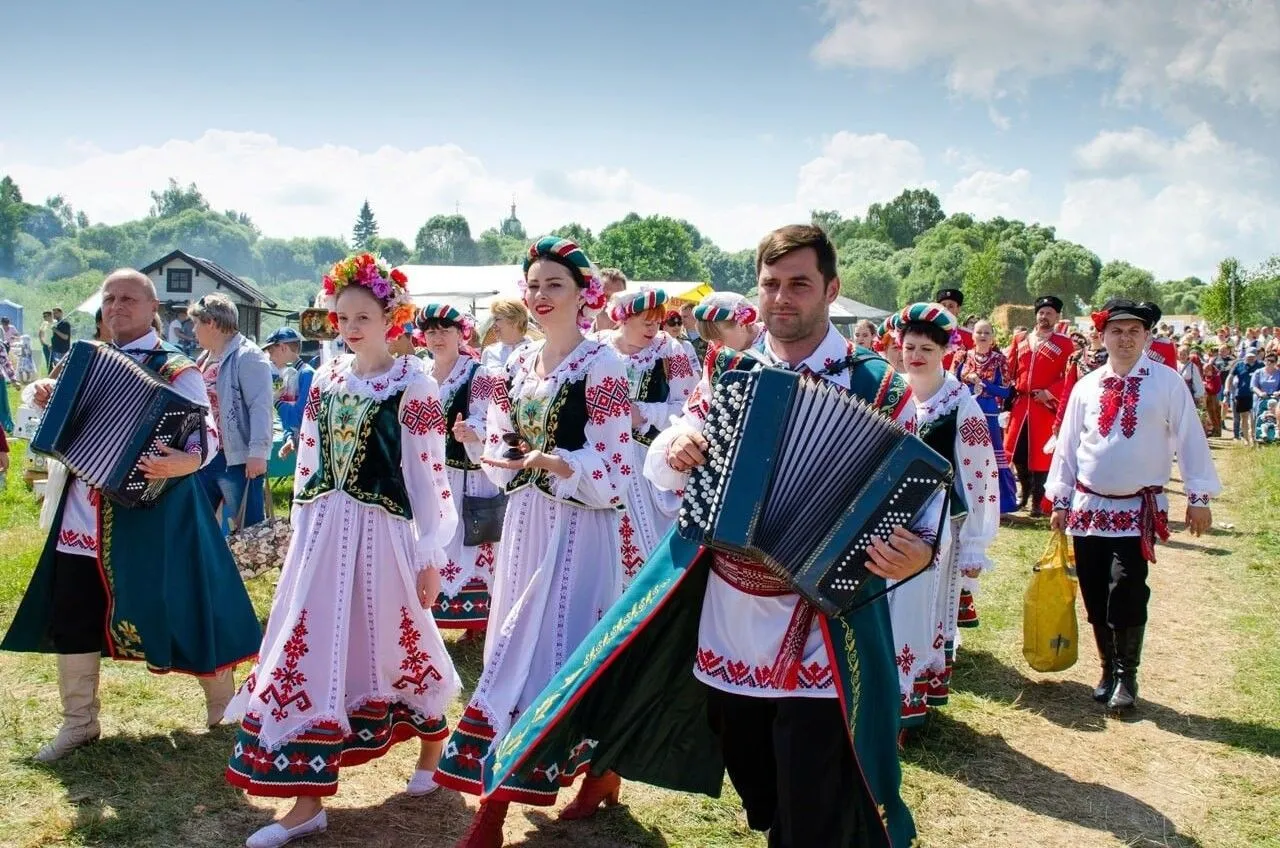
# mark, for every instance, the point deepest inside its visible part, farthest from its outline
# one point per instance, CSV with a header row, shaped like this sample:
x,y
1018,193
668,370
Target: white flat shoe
x,y
422,783
275,834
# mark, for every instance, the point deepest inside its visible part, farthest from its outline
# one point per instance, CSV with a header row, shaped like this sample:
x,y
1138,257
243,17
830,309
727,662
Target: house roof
x,y
217,272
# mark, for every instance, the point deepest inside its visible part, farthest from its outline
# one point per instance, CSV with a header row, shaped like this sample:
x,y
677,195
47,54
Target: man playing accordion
x,y
709,662
152,583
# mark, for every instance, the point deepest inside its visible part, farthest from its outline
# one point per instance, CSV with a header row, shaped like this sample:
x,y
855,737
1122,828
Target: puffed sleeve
x,y
487,387
691,420
307,459
601,469
980,478
422,433
1061,483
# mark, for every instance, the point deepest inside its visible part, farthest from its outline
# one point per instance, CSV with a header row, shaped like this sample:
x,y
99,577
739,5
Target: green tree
x,y
728,271
579,235
207,234
174,200
905,218
869,281
656,248
12,213
984,280
1066,270
825,219
1121,279
365,232
393,250
326,250
445,240
82,221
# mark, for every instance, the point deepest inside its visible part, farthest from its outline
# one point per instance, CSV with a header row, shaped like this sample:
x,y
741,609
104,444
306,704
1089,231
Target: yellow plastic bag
x,y
1049,635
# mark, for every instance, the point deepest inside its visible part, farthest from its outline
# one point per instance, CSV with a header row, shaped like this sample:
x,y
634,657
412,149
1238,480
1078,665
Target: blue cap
x,y
284,335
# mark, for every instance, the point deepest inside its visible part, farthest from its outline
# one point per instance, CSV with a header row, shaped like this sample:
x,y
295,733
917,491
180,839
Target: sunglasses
x,y
674,321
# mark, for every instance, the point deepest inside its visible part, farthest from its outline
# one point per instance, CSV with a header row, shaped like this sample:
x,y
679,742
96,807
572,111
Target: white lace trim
x,y
457,377
402,372
944,400
574,367
660,347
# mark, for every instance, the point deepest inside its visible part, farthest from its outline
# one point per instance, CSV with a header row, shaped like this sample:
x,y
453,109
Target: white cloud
x,y
1154,49
1174,205
988,193
855,171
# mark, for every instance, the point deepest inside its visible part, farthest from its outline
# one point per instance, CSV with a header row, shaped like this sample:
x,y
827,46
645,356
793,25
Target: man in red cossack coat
x,y
1037,369
951,300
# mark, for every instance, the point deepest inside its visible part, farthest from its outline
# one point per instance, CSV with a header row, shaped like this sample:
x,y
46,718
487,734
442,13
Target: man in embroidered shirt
x,y
1123,423
785,745
154,583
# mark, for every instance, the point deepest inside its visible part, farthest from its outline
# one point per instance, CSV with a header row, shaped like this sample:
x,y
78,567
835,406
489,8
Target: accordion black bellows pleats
x,y
801,475
106,413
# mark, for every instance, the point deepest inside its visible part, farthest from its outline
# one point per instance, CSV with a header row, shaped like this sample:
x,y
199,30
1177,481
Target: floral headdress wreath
x,y
445,312
593,295
928,313
389,286
726,306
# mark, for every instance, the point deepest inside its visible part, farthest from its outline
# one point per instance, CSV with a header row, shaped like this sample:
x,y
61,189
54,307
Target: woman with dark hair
x,y
466,390
924,611
660,378
561,451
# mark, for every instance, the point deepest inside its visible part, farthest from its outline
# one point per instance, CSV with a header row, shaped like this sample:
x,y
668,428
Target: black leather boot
x,y
1024,487
1038,479
1105,639
1128,657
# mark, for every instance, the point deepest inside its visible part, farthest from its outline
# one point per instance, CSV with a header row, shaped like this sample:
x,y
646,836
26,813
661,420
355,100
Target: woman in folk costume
x,y
352,663
728,318
890,344
466,390
558,565
511,326
660,378
951,422
983,369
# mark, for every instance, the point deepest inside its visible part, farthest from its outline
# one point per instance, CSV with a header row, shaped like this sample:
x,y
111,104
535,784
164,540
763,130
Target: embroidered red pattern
x,y
739,674
631,559
422,417
905,659
82,541
416,662
287,682
607,399
974,432
679,366
312,410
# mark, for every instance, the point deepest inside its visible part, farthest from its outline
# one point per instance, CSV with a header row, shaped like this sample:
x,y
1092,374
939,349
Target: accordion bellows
x,y
106,413
802,476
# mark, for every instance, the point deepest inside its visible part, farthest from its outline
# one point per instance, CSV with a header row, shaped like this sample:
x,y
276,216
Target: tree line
x,y
900,251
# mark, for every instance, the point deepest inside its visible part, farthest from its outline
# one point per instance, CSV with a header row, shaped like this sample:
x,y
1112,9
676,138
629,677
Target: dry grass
x,y
1017,759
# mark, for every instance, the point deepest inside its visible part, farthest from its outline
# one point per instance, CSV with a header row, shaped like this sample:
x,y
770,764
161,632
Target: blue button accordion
x,y
802,476
105,414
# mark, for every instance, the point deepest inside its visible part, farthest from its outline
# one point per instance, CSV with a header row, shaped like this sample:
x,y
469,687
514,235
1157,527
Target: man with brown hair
x,y
801,708
614,281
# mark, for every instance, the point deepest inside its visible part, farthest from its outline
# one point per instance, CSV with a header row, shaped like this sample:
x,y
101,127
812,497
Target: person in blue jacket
x,y
283,347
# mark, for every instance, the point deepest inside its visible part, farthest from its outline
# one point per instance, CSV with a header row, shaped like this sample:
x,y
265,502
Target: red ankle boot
x,y
594,791
486,827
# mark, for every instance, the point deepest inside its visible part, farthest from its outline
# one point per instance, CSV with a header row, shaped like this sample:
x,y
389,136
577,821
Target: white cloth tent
x,y
468,287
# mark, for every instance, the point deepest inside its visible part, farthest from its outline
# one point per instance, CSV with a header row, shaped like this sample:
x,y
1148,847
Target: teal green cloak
x,y
627,699
175,599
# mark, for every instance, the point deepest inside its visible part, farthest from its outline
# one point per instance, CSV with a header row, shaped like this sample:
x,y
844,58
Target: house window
x,y
178,280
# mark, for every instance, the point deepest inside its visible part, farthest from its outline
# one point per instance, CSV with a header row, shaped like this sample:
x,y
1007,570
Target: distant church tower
x,y
512,226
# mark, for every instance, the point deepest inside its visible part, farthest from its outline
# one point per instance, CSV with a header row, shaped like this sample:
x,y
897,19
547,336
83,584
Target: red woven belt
x,y
1151,524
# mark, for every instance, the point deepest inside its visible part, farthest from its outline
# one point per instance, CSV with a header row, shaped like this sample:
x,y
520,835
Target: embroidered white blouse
x,y
1119,436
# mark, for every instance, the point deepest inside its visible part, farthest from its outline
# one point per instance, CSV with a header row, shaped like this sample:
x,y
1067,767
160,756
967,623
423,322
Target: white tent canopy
x,y
468,287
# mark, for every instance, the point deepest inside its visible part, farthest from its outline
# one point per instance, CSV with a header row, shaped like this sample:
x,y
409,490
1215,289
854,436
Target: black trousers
x,y
1113,579
789,760
1021,459
78,621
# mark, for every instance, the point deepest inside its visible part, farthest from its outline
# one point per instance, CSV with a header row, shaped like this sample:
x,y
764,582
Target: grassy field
x,y
1017,758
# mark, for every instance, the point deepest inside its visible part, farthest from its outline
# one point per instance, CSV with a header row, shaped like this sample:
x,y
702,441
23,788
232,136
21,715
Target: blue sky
x,y
1146,138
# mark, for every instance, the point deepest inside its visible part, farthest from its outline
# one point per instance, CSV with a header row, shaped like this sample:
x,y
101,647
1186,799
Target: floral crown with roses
x,y
389,285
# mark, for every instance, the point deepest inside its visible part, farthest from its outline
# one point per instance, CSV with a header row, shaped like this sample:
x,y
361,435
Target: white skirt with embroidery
x,y
557,573
649,515
346,626
467,563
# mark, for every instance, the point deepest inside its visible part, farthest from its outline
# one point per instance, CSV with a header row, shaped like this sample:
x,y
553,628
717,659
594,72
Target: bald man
x,y
155,584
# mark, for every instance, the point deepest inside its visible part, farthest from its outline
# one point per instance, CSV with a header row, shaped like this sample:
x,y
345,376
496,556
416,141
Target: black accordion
x,y
106,413
802,476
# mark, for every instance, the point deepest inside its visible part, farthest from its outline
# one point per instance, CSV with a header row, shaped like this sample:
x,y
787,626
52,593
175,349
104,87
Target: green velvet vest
x,y
360,452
